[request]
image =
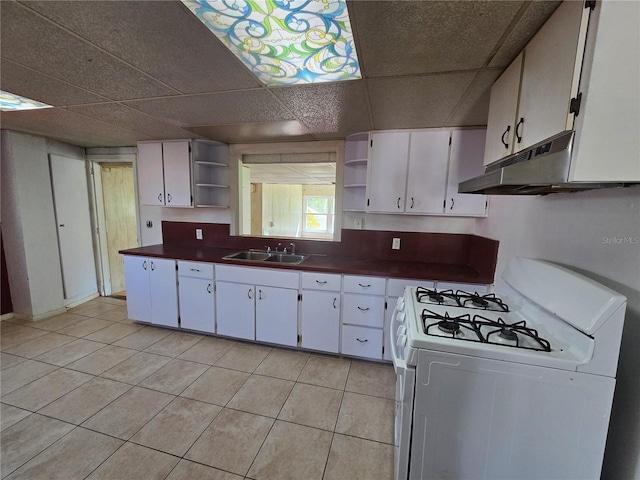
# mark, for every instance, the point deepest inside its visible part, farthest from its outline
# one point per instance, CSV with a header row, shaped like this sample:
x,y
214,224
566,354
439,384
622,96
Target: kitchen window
x,y
318,215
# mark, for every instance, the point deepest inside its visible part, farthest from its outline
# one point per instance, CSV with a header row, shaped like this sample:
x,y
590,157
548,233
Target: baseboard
x,y
6,316
35,318
75,303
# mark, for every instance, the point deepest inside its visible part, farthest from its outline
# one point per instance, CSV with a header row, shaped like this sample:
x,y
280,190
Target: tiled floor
x,y
90,394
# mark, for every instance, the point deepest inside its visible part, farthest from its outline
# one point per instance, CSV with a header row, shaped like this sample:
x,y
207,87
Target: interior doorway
x,y
120,226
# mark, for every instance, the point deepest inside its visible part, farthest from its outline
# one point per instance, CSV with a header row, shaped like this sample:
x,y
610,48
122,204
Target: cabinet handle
x,y
321,282
194,269
364,286
144,264
506,145
169,197
363,309
249,294
452,204
362,341
259,294
335,299
209,288
153,266
160,197
399,202
520,123
411,202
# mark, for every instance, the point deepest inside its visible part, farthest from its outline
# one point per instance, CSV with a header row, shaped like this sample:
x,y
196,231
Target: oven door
x,y
405,386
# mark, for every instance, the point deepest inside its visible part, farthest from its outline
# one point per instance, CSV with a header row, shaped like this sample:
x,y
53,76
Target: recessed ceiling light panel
x,y
11,102
285,42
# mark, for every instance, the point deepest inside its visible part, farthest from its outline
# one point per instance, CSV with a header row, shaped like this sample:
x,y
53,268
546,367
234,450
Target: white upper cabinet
x,y
550,68
164,173
465,162
387,173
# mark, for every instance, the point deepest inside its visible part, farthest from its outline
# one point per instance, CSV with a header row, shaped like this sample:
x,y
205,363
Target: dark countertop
x,y
326,264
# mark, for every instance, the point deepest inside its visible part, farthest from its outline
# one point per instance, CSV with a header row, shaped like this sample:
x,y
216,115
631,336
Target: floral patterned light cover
x,y
10,102
285,42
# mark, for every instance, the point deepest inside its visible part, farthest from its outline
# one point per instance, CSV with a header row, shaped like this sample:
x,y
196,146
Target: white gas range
x,y
513,385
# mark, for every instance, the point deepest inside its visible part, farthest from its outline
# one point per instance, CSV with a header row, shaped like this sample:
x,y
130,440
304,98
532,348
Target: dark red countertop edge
x,y
447,257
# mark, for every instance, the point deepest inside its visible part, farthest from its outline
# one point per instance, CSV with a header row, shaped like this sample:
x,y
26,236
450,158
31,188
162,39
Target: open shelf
x,y
356,159
211,174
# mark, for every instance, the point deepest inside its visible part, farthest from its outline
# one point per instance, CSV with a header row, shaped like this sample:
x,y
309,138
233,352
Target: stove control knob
x,y
402,330
400,304
401,317
402,341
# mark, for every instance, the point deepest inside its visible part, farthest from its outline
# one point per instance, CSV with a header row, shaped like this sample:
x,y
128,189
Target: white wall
x,y
409,223
598,234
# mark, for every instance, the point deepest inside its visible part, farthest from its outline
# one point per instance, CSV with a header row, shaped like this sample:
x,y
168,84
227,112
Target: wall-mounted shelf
x,y
210,174
356,158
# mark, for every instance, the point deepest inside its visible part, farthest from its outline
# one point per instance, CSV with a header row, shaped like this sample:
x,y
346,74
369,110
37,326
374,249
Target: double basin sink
x,y
259,256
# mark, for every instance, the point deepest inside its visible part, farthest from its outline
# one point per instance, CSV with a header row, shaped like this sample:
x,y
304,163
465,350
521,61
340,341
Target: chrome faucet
x,y
268,248
293,248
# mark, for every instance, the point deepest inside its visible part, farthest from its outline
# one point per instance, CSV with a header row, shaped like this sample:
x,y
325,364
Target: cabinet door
x,y
550,74
136,278
387,174
467,147
196,304
235,310
321,320
277,315
427,174
503,109
164,292
150,173
177,174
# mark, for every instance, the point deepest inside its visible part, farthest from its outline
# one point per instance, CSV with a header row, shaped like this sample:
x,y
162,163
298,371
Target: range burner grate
x,y
460,298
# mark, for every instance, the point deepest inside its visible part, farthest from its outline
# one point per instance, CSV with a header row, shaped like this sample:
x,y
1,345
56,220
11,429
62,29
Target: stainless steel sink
x,y
259,257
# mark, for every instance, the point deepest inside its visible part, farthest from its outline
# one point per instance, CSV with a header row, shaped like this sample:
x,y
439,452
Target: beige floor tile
x,y
19,335
93,309
208,350
178,426
136,368
116,315
45,390
7,360
143,338
125,416
72,457
86,327
12,324
25,439
70,352
60,321
372,379
83,402
326,371
376,425
113,333
262,395
101,360
19,375
10,415
292,451
283,364
357,459
244,357
216,385
174,344
231,442
186,470
39,345
114,301
134,462
175,376
312,406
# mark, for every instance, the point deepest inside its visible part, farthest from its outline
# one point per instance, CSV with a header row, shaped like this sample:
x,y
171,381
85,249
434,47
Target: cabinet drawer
x,y
365,310
362,342
369,285
395,286
195,269
321,281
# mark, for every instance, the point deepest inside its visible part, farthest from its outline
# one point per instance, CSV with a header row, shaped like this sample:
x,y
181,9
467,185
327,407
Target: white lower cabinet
x,y
277,315
152,293
196,293
321,312
235,310
362,341
363,316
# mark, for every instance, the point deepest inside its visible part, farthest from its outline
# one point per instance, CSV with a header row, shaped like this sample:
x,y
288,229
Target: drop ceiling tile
x,y
403,38
163,39
416,102
215,108
330,108
32,41
131,119
526,27
29,83
285,131
473,109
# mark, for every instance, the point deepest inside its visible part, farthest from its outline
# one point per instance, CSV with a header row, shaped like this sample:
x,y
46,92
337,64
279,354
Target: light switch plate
x,y
198,234
395,245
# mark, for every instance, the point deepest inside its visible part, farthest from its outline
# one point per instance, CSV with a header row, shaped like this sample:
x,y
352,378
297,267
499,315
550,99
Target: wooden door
x,y
120,218
73,221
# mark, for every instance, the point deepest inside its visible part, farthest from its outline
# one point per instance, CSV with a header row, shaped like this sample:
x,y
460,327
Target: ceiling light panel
x,y
285,42
10,102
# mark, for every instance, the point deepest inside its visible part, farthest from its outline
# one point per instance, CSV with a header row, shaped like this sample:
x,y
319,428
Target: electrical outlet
x,y
198,234
358,223
395,245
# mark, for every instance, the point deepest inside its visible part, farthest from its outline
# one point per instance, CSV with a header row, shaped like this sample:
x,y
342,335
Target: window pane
x,y
318,204
315,222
